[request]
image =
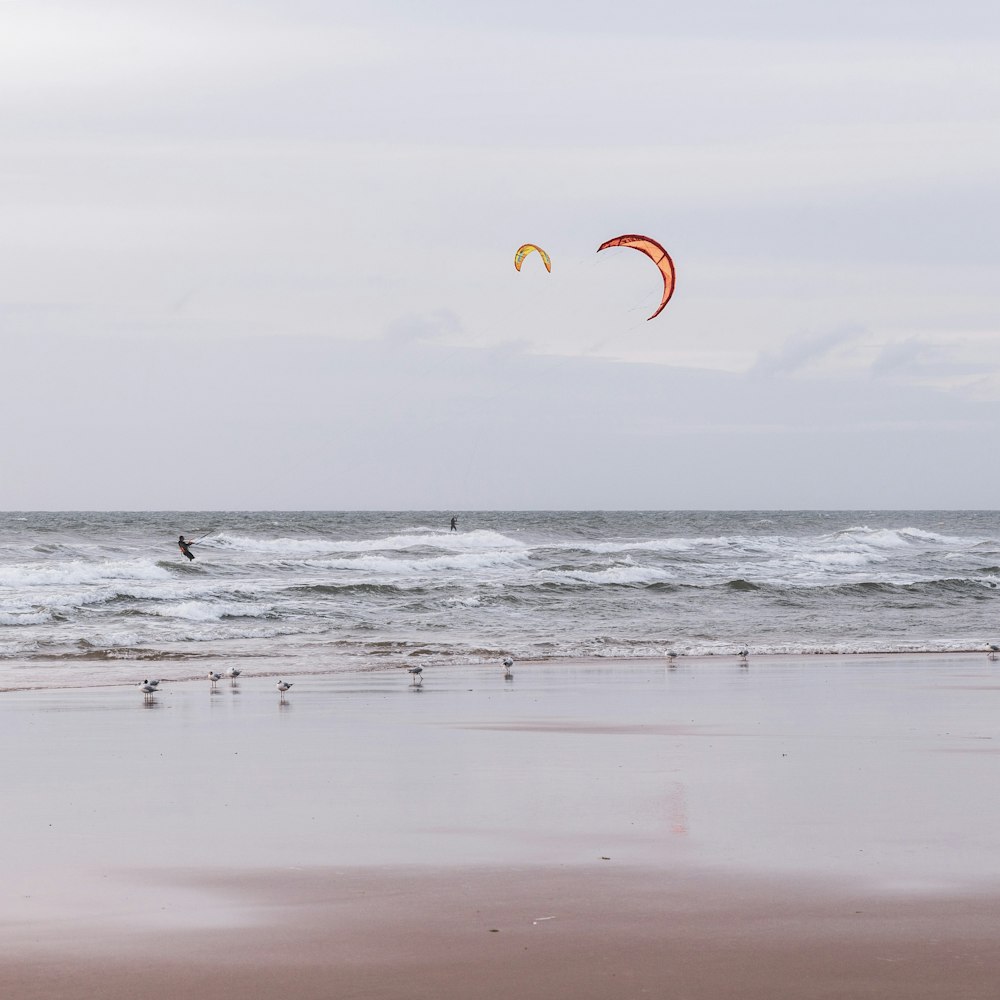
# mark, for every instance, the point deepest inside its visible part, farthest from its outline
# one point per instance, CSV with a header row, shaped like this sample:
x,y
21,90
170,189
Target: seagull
x,y
153,684
744,654
508,668
671,655
214,677
417,673
232,673
282,688
148,690
993,650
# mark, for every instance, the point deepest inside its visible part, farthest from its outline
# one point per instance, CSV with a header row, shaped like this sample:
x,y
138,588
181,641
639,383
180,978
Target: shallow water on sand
x,y
877,772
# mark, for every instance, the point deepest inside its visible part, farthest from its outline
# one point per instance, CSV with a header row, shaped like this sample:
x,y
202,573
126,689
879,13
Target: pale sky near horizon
x,y
258,254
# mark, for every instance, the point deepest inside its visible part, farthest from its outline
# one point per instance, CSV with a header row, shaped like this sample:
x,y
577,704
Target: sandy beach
x,y
798,827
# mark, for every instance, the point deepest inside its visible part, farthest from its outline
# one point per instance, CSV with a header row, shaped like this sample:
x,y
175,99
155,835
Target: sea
x,y
92,598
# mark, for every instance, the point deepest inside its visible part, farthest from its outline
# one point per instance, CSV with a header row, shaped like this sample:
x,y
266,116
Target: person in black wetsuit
x,y
183,546
454,524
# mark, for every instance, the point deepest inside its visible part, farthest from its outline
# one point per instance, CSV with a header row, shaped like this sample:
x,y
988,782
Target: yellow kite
x,y
523,252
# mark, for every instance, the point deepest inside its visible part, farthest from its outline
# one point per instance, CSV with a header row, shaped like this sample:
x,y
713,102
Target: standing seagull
x,y
232,673
282,688
148,690
214,677
508,668
417,674
993,650
744,654
671,655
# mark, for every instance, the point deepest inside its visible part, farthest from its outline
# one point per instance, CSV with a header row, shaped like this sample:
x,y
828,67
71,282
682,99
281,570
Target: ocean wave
x,y
32,617
409,568
450,541
344,589
201,611
899,537
79,572
40,604
628,575
90,652
464,602
854,545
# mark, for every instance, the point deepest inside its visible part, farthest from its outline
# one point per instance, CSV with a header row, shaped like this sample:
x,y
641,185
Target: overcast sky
x,y
259,254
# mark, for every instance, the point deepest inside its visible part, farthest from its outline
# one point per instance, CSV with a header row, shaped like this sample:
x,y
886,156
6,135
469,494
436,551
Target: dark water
x,y
323,591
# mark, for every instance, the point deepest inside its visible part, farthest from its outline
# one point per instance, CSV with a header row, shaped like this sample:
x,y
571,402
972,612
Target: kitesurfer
x,y
454,524
183,546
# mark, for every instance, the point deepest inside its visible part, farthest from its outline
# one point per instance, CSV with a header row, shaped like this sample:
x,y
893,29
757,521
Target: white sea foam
x,y
78,572
471,541
618,575
201,611
387,566
25,617
464,602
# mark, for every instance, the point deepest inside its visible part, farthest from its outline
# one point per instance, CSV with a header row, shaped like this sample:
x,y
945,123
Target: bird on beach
x,y
416,673
283,686
214,677
148,690
671,655
508,668
744,654
232,673
993,649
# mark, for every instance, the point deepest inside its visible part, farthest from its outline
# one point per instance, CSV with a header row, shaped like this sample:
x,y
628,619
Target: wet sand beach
x,y
796,827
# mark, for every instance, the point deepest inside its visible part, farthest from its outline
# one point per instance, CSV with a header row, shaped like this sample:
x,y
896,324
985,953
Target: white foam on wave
x,y
202,611
77,573
386,566
44,602
621,575
26,617
464,602
466,541
900,537
840,559
114,640
647,545
850,546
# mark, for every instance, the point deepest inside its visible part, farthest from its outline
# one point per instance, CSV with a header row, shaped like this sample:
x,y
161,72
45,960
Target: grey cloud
x,y
804,349
915,357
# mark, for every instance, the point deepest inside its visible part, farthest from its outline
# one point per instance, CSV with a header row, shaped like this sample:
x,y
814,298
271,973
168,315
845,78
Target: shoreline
x,y
167,666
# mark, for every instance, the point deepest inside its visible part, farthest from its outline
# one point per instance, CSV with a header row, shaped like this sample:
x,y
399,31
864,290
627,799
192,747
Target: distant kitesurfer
x,y
183,546
454,524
